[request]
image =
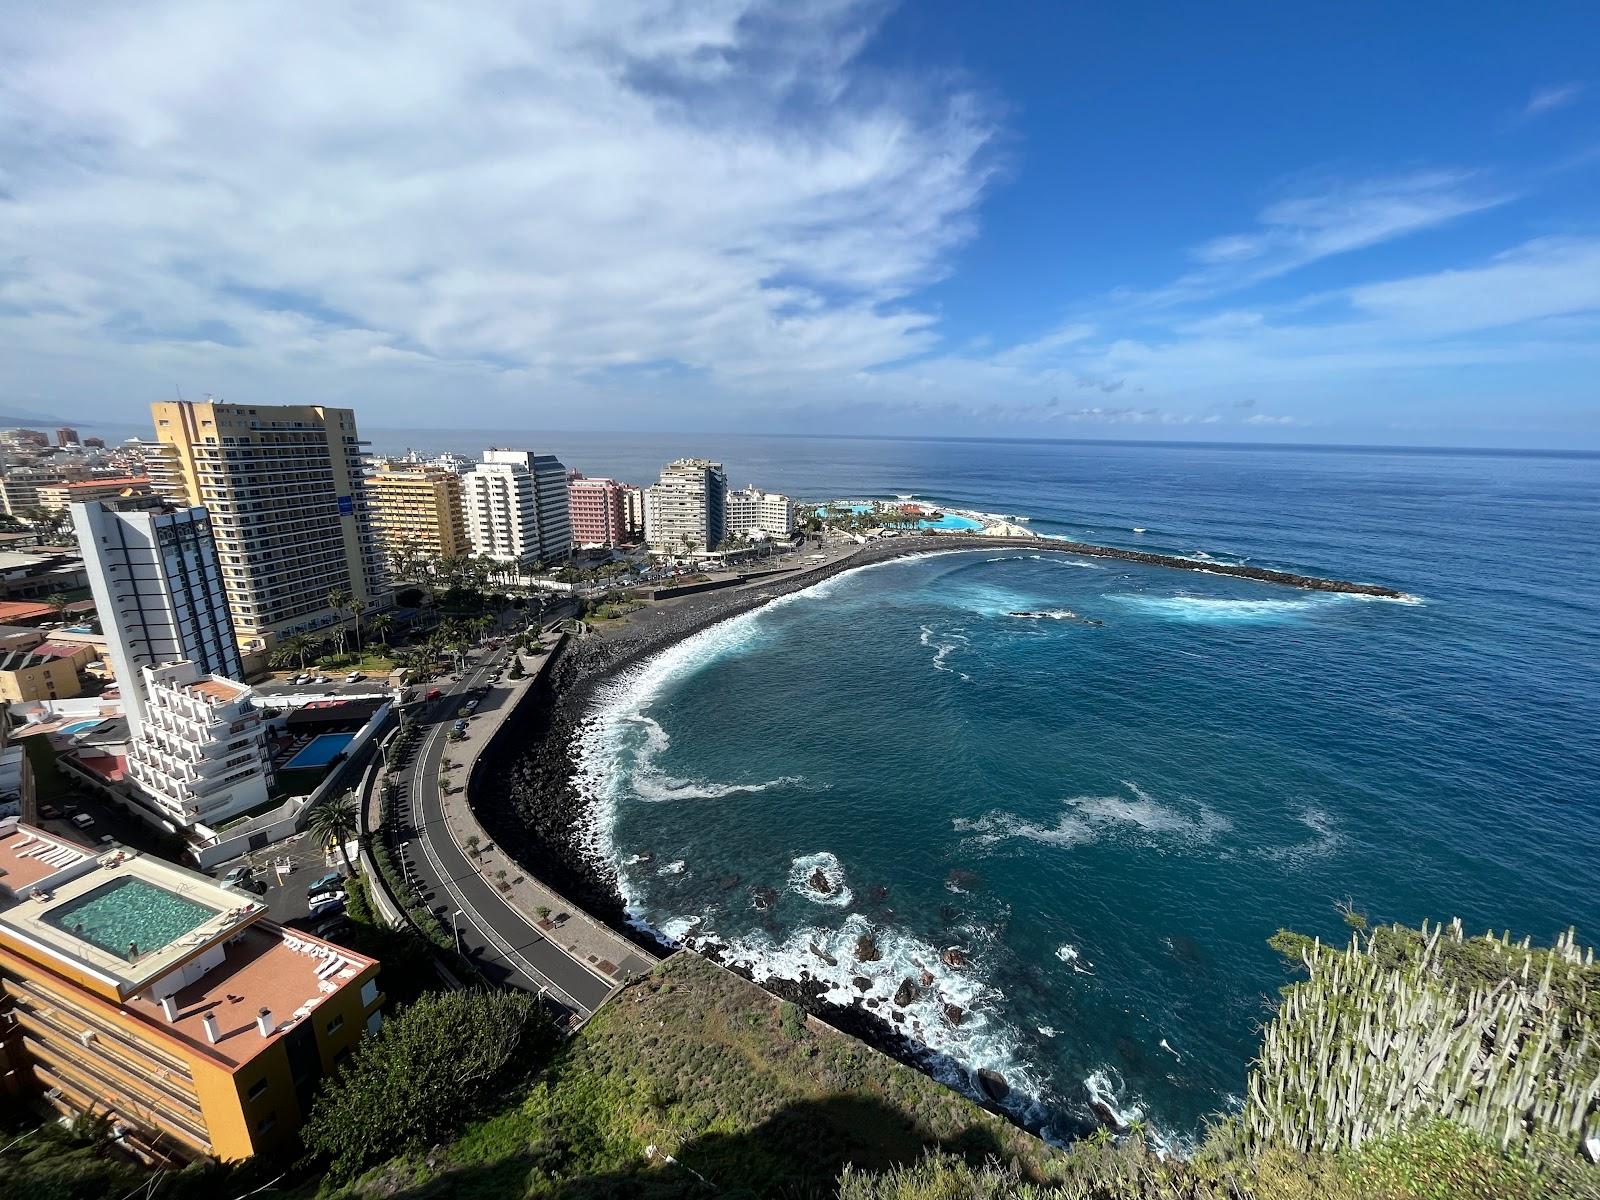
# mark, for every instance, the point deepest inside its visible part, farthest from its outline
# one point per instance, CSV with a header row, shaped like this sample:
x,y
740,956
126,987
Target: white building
x,y
516,508
755,515
687,511
200,755
158,589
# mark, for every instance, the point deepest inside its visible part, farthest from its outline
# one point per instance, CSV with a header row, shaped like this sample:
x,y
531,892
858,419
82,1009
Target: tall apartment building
x,y
200,755
284,487
157,586
633,506
687,510
155,998
417,510
66,436
19,486
754,514
599,511
516,508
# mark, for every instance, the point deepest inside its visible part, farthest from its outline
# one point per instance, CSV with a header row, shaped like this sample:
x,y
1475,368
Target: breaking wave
x,y
1087,819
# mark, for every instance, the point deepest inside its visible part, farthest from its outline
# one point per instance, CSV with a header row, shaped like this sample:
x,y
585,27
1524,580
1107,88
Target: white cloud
x,y
1547,99
533,192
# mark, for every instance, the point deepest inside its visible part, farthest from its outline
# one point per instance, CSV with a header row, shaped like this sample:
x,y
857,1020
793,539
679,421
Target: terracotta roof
x,y
224,691
21,857
263,969
58,649
23,610
113,768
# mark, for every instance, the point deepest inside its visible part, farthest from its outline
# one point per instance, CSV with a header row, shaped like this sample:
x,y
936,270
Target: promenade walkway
x,y
516,929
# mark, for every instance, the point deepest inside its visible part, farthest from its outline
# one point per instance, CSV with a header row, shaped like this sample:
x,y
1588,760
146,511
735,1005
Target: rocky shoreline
x,y
538,814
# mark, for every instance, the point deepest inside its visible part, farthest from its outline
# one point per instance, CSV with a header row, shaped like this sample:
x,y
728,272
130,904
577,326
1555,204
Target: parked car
x,y
83,820
237,876
325,906
328,882
49,812
434,693
323,679
331,926
472,706
354,677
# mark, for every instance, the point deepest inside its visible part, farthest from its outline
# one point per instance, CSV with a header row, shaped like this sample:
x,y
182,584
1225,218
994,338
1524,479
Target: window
x,y
257,1089
266,1123
335,1025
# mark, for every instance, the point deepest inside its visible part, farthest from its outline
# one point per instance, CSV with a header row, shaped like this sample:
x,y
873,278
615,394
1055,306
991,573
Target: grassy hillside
x,y
741,1090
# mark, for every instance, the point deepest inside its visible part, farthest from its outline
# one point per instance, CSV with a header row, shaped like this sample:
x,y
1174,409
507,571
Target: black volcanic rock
x,y
867,949
905,993
819,882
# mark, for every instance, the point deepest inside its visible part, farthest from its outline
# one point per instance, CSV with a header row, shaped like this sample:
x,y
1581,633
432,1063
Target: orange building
x,y
145,992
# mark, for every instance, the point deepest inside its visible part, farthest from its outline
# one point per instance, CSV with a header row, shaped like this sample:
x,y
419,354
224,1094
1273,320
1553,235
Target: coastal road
x,y
506,945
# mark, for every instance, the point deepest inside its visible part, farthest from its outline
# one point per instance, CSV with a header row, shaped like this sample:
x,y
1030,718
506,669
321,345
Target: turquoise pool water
x,y
130,912
950,521
320,751
80,726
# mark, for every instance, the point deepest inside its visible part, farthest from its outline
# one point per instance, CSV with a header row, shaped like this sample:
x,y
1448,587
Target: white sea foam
x,y
1047,1030
1105,1086
803,868
982,1040
1167,1046
1326,840
1070,955
943,644
1208,610
676,867
1088,818
1054,614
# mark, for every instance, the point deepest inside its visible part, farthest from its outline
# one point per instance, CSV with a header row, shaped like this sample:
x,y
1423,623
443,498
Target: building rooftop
x,y
24,610
72,915
290,974
217,690
28,855
81,912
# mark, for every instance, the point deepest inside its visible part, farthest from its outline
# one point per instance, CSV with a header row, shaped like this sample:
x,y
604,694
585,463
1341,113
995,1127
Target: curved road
x,y
503,943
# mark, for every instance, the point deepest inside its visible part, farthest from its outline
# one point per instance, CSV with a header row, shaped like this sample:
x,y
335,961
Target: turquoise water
x,y
949,521
129,911
320,751
80,726
1109,784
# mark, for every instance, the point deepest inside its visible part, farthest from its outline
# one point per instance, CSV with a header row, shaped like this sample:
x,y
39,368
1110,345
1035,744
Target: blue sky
x,y
1328,223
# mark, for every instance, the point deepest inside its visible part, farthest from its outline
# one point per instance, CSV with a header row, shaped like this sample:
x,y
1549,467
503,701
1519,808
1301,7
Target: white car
x,y
354,677
83,820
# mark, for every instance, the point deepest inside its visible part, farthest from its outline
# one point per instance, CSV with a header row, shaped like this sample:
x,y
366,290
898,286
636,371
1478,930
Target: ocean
x,y
1106,785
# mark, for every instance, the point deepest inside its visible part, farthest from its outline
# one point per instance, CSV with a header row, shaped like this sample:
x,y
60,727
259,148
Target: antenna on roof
x,y
179,390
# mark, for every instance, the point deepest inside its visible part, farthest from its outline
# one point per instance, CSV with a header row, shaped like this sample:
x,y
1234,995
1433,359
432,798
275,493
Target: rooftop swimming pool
x,y
80,726
320,751
129,917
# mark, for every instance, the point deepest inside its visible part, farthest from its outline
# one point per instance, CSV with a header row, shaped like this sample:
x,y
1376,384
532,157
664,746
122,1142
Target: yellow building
x,y
417,511
283,485
151,995
29,675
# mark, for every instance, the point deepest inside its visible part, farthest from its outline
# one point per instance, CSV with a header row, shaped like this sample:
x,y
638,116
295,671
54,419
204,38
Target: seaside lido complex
x,y
148,589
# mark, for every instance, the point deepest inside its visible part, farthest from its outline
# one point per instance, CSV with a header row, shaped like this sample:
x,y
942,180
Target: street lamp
x,y
456,929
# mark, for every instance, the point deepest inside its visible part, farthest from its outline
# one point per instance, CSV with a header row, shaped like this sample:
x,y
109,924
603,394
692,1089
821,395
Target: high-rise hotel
x,y
516,508
687,510
416,510
284,488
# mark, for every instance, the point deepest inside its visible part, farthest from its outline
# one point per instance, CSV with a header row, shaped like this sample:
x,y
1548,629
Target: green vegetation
x,y
1406,1025
49,785
424,1074
714,1072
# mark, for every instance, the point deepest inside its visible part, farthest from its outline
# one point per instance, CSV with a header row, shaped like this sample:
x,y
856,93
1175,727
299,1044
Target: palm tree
x,y
339,600
334,822
379,626
296,647
56,602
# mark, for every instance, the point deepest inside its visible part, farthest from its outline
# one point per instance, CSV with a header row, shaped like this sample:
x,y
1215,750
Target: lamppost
x,y
456,929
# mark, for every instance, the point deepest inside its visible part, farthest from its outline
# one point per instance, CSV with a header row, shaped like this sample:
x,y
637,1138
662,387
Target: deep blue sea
x,y
1110,807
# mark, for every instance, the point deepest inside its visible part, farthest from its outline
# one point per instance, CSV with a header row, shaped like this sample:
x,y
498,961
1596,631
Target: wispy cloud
x,y
1548,99
541,193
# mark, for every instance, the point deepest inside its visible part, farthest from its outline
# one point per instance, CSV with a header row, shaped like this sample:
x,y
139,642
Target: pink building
x,y
599,511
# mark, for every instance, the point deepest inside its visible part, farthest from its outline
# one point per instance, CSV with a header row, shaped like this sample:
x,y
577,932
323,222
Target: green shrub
x,y
425,1072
